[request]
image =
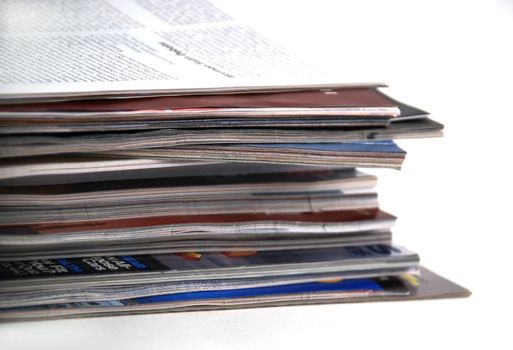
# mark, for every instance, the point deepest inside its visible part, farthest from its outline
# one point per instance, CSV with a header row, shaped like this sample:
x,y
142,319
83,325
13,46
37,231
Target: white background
x,y
453,196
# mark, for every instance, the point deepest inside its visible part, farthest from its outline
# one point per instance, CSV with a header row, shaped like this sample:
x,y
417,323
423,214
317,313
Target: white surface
x,y
452,197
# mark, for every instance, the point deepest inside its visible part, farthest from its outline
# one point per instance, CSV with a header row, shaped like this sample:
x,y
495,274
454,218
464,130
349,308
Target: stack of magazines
x,y
126,188
203,201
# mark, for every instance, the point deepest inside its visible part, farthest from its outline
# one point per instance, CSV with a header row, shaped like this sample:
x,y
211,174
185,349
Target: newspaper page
x,y
66,48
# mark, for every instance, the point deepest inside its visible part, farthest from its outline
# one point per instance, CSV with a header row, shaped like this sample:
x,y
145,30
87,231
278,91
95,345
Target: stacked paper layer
x,y
125,187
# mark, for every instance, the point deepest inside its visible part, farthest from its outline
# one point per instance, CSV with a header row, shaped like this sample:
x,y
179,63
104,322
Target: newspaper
x,y
104,47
